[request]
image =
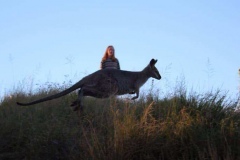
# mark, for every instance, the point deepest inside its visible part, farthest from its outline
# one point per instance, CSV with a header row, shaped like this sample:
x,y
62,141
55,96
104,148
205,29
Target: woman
x,y
109,60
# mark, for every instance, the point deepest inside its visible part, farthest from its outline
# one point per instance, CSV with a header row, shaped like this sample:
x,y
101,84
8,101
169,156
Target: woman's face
x,y
110,52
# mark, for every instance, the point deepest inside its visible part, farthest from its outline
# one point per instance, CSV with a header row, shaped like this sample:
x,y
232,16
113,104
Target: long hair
x,y
105,56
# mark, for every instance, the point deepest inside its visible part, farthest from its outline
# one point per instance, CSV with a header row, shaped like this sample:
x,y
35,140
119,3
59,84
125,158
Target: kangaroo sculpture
x,y
107,82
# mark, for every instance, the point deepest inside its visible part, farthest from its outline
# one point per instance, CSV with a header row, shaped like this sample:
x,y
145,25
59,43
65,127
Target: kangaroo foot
x,y
78,107
75,108
75,103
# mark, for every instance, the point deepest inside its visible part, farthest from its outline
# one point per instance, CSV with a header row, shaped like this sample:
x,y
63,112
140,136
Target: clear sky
x,y
197,42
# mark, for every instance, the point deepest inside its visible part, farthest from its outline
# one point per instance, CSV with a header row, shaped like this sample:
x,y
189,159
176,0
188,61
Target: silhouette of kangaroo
x,y
105,83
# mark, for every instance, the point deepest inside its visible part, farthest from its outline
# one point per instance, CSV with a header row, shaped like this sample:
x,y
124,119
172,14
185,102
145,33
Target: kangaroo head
x,y
153,70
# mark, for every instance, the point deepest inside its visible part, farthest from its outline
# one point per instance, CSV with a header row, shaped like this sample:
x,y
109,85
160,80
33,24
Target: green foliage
x,y
178,126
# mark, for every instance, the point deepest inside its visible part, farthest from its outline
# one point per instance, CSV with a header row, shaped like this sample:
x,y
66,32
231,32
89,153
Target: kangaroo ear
x,y
153,62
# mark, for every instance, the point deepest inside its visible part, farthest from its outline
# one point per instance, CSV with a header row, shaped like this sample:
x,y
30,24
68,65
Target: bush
x,y
180,126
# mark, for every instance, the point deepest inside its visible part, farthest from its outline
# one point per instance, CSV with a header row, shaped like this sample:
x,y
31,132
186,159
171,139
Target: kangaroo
x,y
105,83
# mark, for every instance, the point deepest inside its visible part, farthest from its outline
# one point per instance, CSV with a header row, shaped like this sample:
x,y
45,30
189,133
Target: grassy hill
x,y
177,126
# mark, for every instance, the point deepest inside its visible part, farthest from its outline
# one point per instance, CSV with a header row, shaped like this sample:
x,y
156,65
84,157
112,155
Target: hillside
x,y
177,126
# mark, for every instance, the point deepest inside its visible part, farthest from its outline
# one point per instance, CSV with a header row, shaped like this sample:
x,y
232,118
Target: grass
x,y
177,126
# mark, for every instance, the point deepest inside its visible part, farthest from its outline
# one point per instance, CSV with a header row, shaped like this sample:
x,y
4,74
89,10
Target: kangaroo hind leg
x,y
77,104
89,91
103,88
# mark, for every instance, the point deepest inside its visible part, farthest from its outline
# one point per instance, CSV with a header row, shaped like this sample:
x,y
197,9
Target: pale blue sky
x,y
43,41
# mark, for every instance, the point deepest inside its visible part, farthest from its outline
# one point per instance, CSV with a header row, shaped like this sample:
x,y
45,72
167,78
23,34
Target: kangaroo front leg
x,y
137,94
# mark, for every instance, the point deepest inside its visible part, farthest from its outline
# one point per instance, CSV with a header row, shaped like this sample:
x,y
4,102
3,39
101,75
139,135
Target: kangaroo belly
x,y
125,89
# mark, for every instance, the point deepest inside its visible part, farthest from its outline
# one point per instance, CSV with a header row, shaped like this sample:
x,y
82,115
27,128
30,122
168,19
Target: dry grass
x,y
175,127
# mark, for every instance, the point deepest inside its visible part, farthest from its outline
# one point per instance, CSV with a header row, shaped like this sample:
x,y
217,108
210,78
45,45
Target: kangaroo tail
x,y
63,93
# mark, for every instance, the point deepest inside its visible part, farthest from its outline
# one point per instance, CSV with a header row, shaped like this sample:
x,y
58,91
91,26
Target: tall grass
x,y
176,126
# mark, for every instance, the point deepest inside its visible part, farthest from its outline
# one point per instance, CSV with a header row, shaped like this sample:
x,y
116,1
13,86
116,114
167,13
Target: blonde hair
x,y
105,56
